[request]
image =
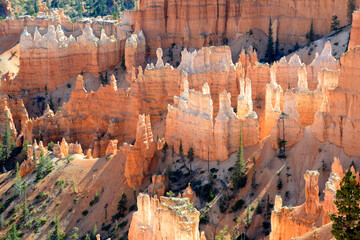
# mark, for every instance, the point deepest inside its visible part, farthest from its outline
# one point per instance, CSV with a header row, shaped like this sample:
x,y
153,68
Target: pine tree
x,y
335,23
269,53
44,167
2,221
13,234
36,6
18,183
346,221
181,153
93,234
8,143
311,35
122,205
48,4
190,156
56,234
238,175
129,4
350,9
25,216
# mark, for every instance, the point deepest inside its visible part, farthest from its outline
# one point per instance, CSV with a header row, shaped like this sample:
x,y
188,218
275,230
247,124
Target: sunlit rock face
x,y
52,59
164,218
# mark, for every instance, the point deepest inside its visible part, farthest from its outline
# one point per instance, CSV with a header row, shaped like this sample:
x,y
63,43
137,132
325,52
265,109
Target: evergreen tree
x,y
26,214
44,167
2,221
54,3
335,23
36,6
190,156
48,4
238,175
311,35
350,9
93,234
346,221
7,144
165,147
13,234
129,4
116,14
56,234
269,53
18,183
24,149
181,153
122,205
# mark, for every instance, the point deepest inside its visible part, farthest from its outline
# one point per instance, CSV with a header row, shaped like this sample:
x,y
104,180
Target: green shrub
x,y
85,212
238,205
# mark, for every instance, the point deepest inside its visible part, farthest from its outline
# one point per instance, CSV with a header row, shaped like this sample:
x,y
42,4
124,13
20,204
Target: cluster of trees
x,y
93,8
272,50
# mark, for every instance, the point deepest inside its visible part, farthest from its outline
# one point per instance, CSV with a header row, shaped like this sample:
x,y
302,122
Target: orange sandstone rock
x,y
139,155
158,185
164,218
112,147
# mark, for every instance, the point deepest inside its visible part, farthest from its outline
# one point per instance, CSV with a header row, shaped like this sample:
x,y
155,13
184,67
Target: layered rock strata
x,y
192,112
338,119
139,155
52,59
164,218
290,222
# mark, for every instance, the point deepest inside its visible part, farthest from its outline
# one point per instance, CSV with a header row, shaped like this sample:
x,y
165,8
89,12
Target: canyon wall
x,y
190,122
196,23
52,59
338,119
164,218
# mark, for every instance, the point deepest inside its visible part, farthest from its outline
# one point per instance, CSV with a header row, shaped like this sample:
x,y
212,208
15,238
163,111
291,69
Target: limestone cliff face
x,y
211,65
323,61
195,23
139,155
337,120
290,124
91,118
164,218
52,59
287,223
355,31
135,51
190,122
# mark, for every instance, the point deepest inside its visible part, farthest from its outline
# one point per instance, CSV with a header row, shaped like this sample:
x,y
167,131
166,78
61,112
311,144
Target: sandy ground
x,y
91,176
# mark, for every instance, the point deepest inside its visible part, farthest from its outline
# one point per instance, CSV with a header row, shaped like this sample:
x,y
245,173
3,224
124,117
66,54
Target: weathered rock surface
x,y
158,185
287,223
52,59
192,112
164,218
139,155
338,119
135,51
196,24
